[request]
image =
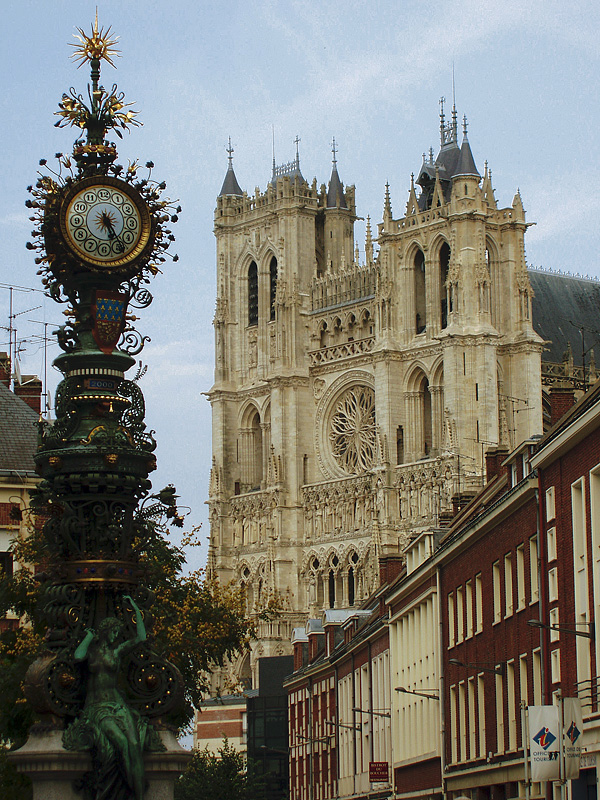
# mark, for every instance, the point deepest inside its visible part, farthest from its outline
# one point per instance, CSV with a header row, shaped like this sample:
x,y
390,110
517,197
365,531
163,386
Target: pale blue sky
x,y
368,73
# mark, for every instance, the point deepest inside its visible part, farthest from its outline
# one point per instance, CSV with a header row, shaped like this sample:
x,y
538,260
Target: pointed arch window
x,y
273,286
253,294
427,426
400,445
323,335
494,297
446,307
251,454
419,424
420,292
256,452
351,586
331,588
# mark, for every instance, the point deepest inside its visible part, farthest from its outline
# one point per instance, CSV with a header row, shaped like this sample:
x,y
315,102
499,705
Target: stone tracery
x,y
352,430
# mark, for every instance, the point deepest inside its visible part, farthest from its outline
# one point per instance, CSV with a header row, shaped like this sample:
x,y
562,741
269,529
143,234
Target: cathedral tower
x,y
353,400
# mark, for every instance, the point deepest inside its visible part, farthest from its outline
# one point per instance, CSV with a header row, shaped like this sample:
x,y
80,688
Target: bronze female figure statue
x,y
114,732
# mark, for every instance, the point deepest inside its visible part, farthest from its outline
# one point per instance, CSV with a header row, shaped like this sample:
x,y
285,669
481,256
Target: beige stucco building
x,y
353,400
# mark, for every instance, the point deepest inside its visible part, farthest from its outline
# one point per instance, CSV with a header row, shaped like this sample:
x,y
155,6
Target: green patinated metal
x,y
101,235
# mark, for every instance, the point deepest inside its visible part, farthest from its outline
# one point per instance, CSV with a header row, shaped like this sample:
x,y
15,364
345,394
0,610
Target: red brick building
x,y
339,706
490,657
18,443
568,466
221,718
518,591
493,613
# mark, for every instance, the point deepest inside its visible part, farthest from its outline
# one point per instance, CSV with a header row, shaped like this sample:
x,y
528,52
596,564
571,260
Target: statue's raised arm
x,y
82,650
140,628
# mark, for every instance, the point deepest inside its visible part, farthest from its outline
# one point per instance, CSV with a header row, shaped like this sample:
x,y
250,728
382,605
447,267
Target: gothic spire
x,y
369,243
387,205
466,162
335,192
230,185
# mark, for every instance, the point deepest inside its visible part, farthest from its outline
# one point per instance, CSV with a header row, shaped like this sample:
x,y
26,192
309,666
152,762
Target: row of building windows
x,y
465,611
465,604
513,691
509,581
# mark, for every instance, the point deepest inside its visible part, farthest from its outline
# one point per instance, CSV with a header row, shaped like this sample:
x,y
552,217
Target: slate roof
x,y
466,164
230,184
447,160
561,304
18,433
335,191
585,402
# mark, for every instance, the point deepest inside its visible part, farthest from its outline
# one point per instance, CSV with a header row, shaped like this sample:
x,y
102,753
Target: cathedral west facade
x,y
353,401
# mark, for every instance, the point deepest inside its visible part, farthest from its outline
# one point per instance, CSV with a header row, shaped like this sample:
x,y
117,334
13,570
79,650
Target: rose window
x,y
352,430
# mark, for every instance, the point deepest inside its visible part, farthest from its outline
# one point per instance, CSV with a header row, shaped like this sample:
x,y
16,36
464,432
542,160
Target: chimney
x,y
389,568
561,400
29,390
316,638
459,501
493,462
300,648
5,369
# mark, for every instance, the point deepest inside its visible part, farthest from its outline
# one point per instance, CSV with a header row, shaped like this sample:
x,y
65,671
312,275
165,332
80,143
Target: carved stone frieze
x,y
425,489
253,503
340,513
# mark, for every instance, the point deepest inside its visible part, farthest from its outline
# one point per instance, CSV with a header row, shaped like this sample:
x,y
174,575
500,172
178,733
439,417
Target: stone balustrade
x,y
343,350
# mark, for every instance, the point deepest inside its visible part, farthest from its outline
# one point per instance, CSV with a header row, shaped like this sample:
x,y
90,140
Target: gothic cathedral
x,y
353,401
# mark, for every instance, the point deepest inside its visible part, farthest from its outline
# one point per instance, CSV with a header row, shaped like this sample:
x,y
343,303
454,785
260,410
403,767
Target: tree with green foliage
x,y
224,775
196,623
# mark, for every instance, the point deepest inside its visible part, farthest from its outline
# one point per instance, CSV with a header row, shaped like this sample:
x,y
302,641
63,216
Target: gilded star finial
x,y
98,45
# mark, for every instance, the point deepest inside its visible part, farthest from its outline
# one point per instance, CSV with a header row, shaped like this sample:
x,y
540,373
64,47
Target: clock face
x,y
105,222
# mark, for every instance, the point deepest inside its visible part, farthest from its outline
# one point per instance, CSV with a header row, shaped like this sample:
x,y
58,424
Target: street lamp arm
x,y
498,670
428,696
324,739
343,725
373,713
536,623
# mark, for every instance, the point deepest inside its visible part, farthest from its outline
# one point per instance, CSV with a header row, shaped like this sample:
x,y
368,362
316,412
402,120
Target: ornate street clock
x,y
101,233
105,223
94,215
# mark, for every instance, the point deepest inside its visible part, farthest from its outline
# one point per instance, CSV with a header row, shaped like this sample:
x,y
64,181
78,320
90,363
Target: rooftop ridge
x,y
564,273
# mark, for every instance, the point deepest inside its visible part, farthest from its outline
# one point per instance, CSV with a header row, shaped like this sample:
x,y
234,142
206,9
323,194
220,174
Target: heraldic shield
x,y
108,313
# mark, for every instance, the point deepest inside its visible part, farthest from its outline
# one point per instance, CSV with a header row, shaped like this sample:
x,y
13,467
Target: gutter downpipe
x,y
311,733
354,728
541,604
372,718
541,592
441,687
337,730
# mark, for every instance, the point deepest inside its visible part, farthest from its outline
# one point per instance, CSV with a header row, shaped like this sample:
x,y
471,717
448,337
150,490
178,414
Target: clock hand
x,y
112,234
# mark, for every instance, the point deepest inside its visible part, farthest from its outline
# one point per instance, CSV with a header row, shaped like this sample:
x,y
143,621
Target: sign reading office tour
x,y
544,740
